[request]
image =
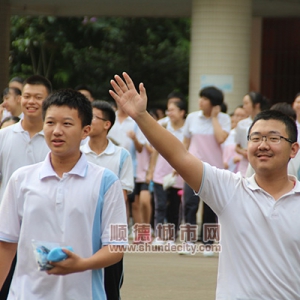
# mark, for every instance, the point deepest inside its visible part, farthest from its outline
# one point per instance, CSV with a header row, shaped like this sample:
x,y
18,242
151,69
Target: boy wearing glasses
x,y
101,151
258,215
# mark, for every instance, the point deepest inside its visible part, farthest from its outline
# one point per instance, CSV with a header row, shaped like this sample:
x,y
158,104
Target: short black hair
x,y
84,87
290,124
10,118
182,105
256,98
16,91
71,99
175,94
285,108
107,111
39,80
224,108
17,79
213,94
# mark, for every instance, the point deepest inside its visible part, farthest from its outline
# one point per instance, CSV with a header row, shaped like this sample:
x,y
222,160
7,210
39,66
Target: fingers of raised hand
x,y
121,84
128,81
116,87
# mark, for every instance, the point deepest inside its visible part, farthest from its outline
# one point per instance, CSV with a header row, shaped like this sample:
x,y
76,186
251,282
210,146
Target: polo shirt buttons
x,y
274,214
59,196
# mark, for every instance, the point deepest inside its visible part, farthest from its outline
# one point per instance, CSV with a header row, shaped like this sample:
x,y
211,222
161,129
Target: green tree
x,y
70,51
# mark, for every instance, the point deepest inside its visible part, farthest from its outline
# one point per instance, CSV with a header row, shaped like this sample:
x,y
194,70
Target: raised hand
x,y
215,111
127,97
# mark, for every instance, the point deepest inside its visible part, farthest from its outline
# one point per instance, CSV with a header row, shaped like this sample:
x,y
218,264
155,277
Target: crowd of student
x,y
113,141
258,215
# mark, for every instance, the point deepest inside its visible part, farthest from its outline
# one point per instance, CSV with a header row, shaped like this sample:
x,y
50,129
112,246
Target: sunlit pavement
x,y
169,276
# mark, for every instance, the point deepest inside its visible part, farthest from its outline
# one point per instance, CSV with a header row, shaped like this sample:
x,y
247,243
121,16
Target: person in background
x,y
102,152
9,121
16,82
126,133
23,143
253,103
86,91
12,101
204,133
296,107
230,157
168,201
172,97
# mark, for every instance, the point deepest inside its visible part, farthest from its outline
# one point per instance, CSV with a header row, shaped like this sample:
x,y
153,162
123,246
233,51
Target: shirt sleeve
x,y
114,215
126,171
225,122
186,127
218,187
238,134
10,212
140,136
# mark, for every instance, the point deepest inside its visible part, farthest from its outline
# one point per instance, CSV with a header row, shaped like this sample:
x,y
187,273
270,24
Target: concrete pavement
x,y
169,276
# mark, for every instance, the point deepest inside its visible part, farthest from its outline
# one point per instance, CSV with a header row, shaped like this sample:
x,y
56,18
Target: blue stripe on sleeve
x,y
108,178
123,157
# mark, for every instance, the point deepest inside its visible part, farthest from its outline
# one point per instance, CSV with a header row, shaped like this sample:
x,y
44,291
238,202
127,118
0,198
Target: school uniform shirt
x,y
76,210
259,237
118,134
203,143
115,158
17,149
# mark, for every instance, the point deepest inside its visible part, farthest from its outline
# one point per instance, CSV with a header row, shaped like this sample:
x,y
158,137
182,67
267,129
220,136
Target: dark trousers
x,y
191,205
113,280
5,288
167,206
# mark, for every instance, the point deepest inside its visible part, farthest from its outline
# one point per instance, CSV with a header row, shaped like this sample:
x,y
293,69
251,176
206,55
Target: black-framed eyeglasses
x,y
96,117
269,138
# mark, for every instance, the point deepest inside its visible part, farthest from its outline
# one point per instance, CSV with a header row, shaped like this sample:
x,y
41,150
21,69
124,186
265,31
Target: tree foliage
x,y
72,51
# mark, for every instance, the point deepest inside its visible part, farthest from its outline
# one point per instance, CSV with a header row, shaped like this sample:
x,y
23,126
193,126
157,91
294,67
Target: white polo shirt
x,y
203,143
119,134
115,158
260,238
17,149
74,210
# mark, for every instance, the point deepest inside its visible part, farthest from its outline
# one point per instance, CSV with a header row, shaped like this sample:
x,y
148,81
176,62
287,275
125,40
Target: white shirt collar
x,y
19,128
252,184
110,148
79,169
200,114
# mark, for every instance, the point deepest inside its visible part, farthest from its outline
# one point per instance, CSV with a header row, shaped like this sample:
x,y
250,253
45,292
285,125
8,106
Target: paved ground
x,y
169,276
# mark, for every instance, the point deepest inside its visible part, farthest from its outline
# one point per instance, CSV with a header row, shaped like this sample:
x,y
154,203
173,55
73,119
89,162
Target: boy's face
x,y
32,99
63,131
265,157
11,102
99,124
